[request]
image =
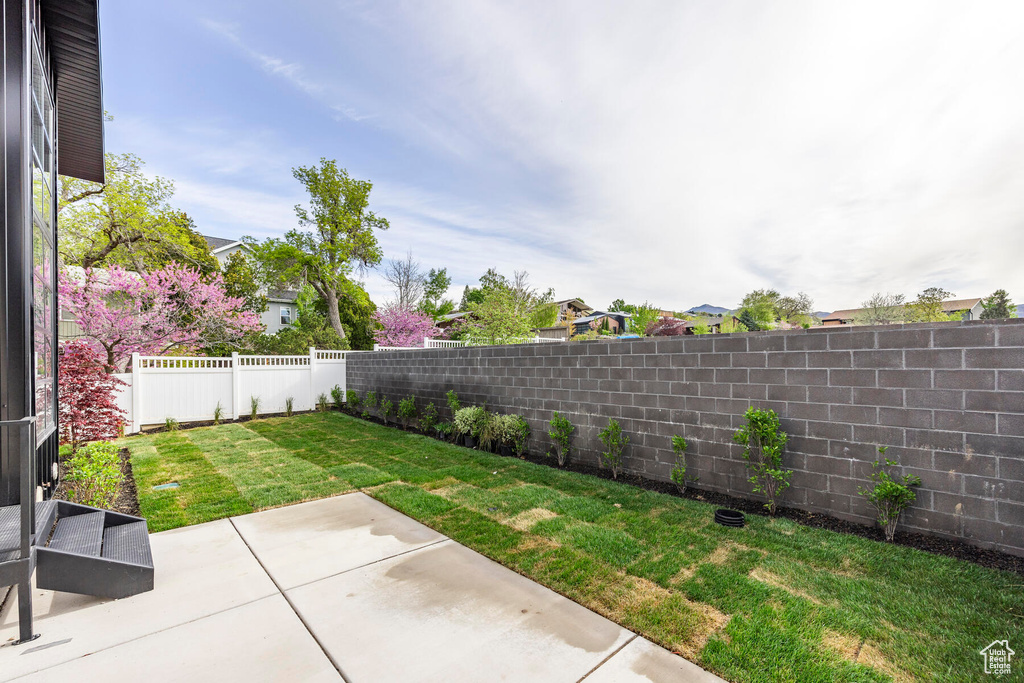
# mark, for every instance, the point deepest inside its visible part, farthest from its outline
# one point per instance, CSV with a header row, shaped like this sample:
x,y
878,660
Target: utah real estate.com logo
x,y
997,657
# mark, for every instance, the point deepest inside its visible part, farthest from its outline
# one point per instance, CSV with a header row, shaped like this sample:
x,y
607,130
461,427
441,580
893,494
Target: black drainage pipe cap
x,y
729,517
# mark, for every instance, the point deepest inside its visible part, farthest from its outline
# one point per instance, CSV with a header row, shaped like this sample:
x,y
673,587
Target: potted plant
x,y
469,423
444,430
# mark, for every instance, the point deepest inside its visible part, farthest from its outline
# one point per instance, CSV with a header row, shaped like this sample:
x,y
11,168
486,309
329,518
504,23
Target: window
x,y
286,315
43,272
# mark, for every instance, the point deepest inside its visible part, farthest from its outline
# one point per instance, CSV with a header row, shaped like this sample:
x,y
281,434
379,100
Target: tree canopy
x,y
997,306
127,221
342,236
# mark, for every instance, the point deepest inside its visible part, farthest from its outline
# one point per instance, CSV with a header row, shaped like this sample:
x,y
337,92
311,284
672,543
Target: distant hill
x,y
821,314
1020,311
708,309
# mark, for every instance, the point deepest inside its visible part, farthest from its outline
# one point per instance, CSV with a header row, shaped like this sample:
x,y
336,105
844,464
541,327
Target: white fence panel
x,y
329,372
274,383
189,389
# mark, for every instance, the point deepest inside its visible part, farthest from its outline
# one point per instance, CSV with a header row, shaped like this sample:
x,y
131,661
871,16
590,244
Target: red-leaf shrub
x,y
88,411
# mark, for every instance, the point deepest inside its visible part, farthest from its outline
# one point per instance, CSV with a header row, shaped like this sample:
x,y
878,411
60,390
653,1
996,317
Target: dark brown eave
x,y
73,31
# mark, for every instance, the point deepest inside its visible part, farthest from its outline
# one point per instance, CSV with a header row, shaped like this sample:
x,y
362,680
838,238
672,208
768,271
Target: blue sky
x,y
677,152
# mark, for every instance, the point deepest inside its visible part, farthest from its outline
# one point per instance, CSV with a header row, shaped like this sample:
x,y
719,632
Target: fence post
x,y
236,385
312,376
136,394
427,344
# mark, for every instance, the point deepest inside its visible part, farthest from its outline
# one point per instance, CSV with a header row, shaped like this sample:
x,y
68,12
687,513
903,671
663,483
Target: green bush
x,y
323,403
386,406
615,441
218,413
94,474
428,417
445,430
289,404
254,407
370,401
171,425
678,475
561,433
452,399
407,410
337,397
352,400
471,421
512,431
763,443
890,496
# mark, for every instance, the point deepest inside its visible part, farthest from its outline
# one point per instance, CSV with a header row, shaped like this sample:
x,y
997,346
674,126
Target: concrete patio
x,y
343,588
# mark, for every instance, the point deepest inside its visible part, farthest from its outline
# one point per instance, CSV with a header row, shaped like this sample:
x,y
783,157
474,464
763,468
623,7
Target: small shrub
x,y
386,407
763,443
678,475
428,417
512,431
352,401
445,430
337,397
289,404
615,441
370,402
171,425
890,496
323,403
452,399
471,421
87,395
218,413
490,431
561,433
94,474
519,430
254,407
407,410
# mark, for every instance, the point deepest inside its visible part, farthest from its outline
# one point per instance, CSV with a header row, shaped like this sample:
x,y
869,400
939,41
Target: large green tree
x,y
242,278
997,306
760,307
435,301
927,308
127,221
505,309
342,236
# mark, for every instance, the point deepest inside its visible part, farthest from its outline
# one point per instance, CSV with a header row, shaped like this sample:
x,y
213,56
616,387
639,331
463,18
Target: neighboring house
x,y
668,327
572,308
449,319
222,248
596,320
968,309
281,310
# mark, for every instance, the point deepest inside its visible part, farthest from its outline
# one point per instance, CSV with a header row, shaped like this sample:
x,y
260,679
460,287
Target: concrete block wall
x,y
947,399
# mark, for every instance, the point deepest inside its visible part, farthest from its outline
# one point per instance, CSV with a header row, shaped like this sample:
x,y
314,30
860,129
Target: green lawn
x,y
774,601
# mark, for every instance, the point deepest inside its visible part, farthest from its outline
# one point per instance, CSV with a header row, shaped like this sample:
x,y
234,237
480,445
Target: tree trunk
x,y
332,311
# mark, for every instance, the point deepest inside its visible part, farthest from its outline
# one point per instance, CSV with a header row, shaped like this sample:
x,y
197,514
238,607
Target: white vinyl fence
x,y
189,389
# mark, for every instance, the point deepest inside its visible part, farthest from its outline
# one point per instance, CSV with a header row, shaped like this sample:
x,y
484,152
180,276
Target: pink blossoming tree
x,y
174,308
402,326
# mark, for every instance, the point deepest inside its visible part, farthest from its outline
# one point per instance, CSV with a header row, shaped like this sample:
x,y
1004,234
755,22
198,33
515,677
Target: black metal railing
x,y
19,571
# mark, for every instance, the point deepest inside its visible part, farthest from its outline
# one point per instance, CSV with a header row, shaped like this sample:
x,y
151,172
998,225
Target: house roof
x,y
282,295
582,304
597,315
218,243
951,306
73,30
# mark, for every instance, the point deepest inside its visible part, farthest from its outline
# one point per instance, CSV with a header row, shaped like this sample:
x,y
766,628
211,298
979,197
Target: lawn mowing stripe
x,y
202,495
265,474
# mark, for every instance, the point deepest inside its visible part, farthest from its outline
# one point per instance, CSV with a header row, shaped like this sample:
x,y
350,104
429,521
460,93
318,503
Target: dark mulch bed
x,y
984,557
127,501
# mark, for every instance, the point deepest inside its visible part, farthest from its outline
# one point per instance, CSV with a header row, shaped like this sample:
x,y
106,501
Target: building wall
x,y
946,398
272,316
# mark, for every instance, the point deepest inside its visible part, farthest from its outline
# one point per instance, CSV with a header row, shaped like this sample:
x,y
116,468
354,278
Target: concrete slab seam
x,y
605,660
